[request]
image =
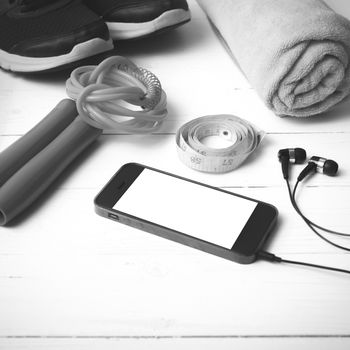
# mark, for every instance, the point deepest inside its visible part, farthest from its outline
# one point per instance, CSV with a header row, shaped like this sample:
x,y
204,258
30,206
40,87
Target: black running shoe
x,y
129,19
37,35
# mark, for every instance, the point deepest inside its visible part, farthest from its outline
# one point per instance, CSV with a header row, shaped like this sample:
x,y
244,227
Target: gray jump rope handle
x,y
33,178
25,148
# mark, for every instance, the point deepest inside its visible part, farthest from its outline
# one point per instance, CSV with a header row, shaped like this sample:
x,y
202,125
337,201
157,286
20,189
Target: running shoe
x,y
37,35
130,19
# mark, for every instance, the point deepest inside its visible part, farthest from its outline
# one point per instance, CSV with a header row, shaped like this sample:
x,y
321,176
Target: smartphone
x,y
207,218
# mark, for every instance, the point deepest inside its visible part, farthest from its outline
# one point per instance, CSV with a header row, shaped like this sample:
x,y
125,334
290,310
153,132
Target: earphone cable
x,y
273,258
308,222
293,199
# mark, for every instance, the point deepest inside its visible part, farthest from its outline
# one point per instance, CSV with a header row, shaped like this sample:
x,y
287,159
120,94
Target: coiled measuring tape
x,y
245,138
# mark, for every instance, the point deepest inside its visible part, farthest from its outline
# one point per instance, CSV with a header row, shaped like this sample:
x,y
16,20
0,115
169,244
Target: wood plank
x,y
184,301
175,343
101,161
79,274
62,212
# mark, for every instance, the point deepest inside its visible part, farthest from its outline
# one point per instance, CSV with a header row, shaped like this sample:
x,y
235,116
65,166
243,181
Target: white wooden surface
x,y
70,279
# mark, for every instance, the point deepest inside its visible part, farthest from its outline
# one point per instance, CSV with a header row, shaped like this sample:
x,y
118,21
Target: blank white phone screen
x,y
183,206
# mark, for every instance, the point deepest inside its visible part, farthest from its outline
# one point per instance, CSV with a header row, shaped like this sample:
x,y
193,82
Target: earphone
x,y
324,166
321,165
315,164
290,155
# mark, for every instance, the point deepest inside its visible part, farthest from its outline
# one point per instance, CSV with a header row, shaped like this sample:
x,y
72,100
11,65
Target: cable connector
x,y
269,256
273,258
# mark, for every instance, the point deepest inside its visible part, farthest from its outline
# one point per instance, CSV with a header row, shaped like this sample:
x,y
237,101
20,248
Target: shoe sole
x,y
169,19
17,63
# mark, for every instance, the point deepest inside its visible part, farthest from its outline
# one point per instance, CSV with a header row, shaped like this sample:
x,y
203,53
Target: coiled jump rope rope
x,y
114,95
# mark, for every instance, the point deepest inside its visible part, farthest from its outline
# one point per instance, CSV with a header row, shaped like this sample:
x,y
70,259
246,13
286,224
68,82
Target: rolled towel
x,y
295,53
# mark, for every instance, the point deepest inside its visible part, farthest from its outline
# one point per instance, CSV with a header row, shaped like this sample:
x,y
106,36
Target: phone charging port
x,y
113,216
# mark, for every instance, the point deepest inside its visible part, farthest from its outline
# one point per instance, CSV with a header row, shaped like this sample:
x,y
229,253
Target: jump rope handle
x,y
33,163
26,147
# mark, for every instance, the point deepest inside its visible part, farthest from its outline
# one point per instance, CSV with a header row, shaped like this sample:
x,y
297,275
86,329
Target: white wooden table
x,y
70,279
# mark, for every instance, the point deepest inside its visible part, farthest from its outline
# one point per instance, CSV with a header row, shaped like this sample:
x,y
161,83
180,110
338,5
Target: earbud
x,y
290,155
325,166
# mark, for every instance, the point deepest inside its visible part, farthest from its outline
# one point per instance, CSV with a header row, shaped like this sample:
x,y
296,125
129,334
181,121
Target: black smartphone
x,y
213,220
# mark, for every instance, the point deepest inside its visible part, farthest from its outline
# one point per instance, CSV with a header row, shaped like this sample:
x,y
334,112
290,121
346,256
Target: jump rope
x,y
118,95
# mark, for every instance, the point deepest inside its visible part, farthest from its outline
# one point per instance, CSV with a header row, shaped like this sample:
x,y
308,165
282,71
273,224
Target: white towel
x,y
295,53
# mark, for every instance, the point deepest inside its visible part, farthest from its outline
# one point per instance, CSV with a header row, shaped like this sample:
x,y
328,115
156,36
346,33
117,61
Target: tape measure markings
x,y
245,138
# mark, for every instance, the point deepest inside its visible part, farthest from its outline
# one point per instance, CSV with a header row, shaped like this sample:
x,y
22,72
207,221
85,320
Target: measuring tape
x,y
244,136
